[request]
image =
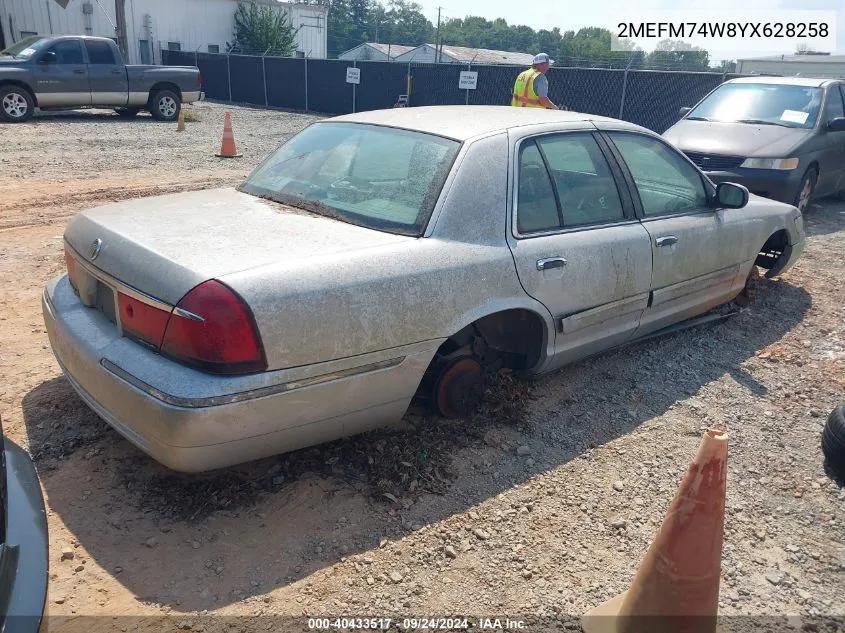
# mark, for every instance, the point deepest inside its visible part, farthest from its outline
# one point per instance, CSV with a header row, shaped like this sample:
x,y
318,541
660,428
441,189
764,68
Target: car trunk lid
x,y
164,246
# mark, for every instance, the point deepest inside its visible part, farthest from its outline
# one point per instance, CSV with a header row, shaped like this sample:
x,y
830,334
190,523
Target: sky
x,y
572,15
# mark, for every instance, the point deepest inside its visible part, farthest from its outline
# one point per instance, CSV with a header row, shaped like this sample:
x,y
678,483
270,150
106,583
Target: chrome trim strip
x,y
119,286
602,313
188,315
262,392
694,285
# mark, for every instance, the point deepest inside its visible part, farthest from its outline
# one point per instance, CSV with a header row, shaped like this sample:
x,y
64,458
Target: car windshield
x,y
25,48
378,177
765,104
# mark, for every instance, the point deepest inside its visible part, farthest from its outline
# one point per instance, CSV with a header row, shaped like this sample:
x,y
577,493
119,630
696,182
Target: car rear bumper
x,y
780,185
191,421
191,97
23,557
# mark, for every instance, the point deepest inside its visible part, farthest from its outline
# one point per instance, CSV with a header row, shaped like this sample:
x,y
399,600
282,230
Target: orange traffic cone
x,y
227,147
677,586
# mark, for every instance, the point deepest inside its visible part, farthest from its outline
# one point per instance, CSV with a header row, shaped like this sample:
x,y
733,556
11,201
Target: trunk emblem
x,y
96,245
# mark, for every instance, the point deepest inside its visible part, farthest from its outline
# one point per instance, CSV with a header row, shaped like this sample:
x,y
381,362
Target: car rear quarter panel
x,y
142,79
395,294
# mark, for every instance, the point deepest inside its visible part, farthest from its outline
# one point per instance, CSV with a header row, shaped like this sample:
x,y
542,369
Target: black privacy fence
x,y
650,98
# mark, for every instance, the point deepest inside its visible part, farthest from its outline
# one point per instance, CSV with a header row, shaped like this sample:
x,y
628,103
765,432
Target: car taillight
x,y
70,264
142,320
213,329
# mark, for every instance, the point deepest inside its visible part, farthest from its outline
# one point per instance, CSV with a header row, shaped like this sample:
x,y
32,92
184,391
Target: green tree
x,y
404,23
262,29
678,55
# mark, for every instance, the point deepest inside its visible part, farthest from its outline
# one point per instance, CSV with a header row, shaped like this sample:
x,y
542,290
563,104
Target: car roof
x,y
814,82
465,122
75,37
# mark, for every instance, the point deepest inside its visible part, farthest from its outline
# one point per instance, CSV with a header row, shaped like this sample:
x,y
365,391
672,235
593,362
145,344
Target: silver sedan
x,y
385,254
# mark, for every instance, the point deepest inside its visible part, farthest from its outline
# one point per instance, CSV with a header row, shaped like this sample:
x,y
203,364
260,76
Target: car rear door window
x,y
68,52
100,53
537,208
585,185
667,184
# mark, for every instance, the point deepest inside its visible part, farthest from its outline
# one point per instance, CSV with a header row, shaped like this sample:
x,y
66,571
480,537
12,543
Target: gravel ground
x,y
542,505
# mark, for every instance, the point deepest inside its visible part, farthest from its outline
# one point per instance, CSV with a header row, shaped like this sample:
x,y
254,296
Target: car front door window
x,y
68,52
666,183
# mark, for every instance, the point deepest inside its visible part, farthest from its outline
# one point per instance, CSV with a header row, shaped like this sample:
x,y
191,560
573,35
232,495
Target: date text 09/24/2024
x,y
415,624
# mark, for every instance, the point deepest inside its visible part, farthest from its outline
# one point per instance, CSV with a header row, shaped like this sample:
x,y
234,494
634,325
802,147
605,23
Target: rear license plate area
x,y
105,302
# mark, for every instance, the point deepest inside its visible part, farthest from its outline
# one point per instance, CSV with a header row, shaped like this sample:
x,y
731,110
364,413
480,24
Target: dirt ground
x,y
539,507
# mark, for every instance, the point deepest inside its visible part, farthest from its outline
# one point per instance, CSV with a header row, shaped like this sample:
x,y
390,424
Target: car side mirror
x,y
683,112
836,125
731,196
48,58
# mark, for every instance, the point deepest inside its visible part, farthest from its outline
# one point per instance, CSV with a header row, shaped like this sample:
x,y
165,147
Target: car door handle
x,y
79,72
667,240
117,72
550,262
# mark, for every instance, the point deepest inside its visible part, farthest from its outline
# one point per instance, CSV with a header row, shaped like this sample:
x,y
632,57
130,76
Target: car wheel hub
x,y
15,105
167,106
458,389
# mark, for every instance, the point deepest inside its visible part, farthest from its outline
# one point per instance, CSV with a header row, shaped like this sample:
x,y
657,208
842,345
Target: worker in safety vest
x,y
531,89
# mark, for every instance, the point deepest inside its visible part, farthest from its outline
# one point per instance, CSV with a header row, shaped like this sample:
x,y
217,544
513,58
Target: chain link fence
x,y
650,98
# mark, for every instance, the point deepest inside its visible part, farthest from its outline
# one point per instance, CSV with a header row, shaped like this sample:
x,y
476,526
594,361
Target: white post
x,y
306,84
354,65
264,77
229,74
469,68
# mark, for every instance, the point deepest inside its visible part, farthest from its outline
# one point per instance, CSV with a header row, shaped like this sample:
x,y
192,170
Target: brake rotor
x,y
458,388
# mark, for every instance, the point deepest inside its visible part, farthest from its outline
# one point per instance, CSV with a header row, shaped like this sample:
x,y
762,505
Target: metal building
x,y
371,51
806,65
153,25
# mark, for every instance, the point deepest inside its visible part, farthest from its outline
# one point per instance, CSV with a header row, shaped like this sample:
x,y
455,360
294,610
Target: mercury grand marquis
x,y
379,254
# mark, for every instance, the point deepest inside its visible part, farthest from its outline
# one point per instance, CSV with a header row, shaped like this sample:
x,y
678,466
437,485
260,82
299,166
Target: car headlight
x,y
770,163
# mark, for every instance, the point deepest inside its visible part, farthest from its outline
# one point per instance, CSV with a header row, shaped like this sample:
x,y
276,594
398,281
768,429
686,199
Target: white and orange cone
x,y
227,146
676,588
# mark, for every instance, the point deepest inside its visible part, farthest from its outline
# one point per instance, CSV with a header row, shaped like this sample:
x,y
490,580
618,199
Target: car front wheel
x,y
16,104
165,105
806,190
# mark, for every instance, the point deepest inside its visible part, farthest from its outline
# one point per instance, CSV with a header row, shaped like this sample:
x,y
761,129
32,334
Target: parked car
x,y
377,254
68,72
23,542
781,137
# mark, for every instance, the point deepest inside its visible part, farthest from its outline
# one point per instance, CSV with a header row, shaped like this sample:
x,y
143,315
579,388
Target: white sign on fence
x,y
468,80
353,75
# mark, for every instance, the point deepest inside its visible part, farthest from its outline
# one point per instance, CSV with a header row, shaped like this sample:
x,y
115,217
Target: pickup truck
x,y
69,72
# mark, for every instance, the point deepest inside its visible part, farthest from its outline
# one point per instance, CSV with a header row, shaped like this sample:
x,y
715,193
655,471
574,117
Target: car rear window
x,y
378,177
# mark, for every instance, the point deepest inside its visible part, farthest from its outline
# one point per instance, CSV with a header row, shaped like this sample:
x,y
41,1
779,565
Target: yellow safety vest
x,y
523,90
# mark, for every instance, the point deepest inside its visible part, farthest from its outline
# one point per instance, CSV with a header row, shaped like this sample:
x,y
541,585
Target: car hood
x,y
735,139
166,245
